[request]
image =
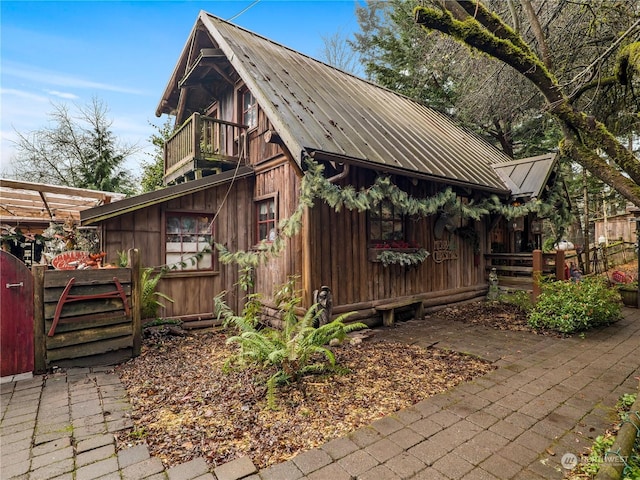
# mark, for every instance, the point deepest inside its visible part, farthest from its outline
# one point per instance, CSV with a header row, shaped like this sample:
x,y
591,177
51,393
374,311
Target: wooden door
x,y
16,316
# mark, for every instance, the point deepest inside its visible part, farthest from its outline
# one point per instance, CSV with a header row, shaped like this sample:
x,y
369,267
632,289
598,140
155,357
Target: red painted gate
x,y
16,316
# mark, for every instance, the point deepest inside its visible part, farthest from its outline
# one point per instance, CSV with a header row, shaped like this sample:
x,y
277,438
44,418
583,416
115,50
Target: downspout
x,y
341,175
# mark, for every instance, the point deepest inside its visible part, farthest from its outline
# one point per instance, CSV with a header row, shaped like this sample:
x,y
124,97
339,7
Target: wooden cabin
x,y
250,114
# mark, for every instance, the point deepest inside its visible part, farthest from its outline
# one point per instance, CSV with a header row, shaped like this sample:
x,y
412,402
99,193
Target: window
x,y
249,115
188,241
386,224
266,215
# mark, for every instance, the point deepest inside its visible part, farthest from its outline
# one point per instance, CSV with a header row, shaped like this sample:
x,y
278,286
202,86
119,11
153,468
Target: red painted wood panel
x,y
16,316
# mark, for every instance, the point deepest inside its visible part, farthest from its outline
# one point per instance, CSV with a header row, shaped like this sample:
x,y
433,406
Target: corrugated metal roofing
x,y
137,202
527,177
315,107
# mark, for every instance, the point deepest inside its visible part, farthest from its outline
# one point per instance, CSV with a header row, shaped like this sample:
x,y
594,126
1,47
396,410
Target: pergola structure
x,y
29,203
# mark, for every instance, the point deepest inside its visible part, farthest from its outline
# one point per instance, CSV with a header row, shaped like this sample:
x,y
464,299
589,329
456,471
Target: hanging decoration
x,y
315,185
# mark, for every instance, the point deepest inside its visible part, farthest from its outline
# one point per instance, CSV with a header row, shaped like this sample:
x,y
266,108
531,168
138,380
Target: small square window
x,y
266,220
188,239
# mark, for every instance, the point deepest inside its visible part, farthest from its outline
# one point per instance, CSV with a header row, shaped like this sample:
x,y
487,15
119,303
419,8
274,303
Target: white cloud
x,y
23,94
66,96
49,77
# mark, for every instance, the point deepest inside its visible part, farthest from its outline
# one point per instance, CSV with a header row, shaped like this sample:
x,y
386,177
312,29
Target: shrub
x,y
570,307
295,350
149,297
517,298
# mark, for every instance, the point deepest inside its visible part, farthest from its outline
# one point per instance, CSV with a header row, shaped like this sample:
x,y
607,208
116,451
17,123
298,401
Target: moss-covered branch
x,y
628,63
509,50
601,169
484,31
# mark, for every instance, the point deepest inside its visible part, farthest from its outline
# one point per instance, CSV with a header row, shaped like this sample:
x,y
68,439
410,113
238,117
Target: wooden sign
x,y
444,250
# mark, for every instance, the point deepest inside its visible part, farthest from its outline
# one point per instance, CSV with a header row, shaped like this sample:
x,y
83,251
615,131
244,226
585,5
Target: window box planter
x,y
406,257
375,252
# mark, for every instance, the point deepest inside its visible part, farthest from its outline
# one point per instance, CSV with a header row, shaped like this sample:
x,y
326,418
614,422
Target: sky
x,y
123,53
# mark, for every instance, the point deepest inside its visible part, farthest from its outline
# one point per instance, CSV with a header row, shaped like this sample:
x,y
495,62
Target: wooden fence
x,y
518,271
86,317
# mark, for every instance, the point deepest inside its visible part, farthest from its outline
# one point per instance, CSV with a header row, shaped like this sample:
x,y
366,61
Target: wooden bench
x,y
388,309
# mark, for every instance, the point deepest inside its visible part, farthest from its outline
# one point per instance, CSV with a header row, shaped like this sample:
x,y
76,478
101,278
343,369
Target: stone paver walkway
x,y
548,396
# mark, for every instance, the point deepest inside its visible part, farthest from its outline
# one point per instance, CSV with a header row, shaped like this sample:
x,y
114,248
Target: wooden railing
x,y
516,270
204,139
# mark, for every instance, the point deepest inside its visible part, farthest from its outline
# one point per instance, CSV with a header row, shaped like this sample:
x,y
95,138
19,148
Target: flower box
x,y
375,252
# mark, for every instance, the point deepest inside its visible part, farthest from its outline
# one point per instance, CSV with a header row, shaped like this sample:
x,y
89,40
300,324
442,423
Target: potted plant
x,y
629,294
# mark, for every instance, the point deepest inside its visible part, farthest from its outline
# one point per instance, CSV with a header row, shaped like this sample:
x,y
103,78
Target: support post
x,y
39,339
560,261
537,274
136,321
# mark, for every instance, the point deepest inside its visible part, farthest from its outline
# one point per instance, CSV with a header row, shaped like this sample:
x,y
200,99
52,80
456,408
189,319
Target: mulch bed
x,y
186,405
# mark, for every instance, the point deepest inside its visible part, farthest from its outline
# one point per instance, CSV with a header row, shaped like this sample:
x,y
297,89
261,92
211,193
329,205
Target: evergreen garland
x,y
315,185
405,259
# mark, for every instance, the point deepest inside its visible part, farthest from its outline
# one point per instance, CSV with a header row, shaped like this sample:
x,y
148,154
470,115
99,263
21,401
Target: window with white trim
x,y
188,239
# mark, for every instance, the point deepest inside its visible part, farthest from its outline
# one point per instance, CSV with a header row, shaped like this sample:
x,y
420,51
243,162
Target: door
x,y
16,316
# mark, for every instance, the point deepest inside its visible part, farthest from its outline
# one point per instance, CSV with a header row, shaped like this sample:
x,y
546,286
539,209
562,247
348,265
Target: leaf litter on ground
x,y
186,404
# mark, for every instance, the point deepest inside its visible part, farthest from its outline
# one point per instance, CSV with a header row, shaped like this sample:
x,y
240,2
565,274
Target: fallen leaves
x,y
187,405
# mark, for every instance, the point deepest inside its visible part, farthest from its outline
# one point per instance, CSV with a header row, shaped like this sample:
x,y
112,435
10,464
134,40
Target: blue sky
x,y
124,53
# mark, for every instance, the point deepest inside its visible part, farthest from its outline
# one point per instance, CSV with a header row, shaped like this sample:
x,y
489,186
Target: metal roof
x,y
527,177
316,107
38,202
137,202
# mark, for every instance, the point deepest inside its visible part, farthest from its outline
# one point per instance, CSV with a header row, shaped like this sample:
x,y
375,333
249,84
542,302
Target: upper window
x,y
249,115
188,241
386,224
266,215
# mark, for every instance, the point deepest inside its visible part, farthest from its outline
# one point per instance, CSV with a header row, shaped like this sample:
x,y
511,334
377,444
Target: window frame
x,y
257,201
397,219
165,237
242,92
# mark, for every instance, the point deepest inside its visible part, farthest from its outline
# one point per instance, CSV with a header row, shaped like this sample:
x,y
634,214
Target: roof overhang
x,y
39,202
527,177
388,169
131,204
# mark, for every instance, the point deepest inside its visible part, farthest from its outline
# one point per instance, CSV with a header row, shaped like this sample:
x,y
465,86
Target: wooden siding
x,y
340,255
192,292
280,179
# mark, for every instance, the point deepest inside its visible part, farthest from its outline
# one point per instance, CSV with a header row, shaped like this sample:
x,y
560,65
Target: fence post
x,y
537,274
560,272
39,345
136,322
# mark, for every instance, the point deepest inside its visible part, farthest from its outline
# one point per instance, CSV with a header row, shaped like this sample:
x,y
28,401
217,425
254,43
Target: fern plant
x,y
296,350
149,297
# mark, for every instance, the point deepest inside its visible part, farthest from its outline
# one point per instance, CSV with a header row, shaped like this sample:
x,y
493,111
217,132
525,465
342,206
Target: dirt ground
x,y
186,404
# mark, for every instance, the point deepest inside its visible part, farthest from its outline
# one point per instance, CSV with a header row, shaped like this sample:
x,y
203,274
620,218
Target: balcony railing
x,y
204,144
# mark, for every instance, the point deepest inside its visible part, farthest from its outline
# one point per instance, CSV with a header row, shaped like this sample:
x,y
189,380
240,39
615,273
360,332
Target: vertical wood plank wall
x,y
339,244
192,292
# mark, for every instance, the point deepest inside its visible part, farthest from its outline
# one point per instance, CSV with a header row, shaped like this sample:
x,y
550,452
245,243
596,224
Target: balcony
x,y
203,146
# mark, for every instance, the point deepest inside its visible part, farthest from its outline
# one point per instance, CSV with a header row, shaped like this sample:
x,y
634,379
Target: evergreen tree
x,y
153,171
79,152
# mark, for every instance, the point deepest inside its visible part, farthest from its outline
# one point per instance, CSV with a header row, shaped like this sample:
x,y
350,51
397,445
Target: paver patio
x,y
549,396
